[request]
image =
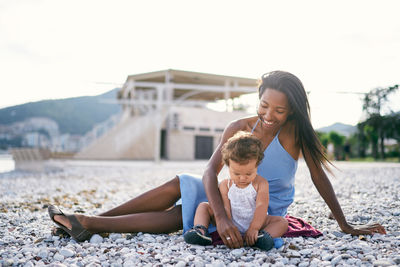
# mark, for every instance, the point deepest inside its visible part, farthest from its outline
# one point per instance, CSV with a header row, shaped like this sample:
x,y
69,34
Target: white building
x,y
165,115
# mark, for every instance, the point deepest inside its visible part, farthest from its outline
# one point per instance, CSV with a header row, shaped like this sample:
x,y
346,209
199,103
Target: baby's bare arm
x,y
223,189
262,200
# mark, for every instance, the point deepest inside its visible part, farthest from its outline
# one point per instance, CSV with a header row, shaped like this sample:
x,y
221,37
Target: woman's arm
x,y
225,226
326,191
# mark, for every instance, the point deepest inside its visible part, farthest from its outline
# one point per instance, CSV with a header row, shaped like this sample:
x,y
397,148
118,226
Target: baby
x,y
245,197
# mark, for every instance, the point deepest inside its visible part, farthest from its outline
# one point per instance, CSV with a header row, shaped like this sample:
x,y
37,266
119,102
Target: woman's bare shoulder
x,y
242,124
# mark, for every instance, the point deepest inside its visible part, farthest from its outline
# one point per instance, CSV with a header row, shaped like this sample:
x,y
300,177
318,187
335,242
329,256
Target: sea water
x,y
6,163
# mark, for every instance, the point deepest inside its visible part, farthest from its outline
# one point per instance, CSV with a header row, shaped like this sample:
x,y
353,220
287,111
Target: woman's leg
x,y
276,226
145,213
157,199
149,222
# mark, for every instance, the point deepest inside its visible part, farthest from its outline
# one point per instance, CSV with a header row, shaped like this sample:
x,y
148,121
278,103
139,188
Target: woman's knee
x,y
176,213
173,186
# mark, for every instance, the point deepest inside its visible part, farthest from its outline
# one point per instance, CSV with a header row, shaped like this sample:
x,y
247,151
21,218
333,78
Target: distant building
x,y
37,132
166,115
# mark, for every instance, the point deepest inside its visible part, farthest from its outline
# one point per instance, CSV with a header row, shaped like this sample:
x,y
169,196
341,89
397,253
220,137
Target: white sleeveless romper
x,y
243,205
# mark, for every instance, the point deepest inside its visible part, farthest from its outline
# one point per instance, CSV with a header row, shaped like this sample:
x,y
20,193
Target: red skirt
x,y
297,227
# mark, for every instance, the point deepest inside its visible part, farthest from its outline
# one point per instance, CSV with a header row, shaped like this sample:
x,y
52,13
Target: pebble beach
x,y
367,192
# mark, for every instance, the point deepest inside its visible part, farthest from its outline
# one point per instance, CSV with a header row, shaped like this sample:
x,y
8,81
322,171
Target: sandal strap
x,y
78,231
262,233
197,228
53,211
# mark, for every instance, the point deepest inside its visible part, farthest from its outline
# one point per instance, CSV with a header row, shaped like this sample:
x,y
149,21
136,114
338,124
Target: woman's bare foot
x,y
61,219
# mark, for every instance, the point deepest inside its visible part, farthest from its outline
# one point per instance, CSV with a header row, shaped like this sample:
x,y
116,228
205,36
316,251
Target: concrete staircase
x,y
122,141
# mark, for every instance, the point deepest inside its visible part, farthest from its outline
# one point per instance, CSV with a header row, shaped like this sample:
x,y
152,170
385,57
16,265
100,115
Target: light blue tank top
x,y
279,168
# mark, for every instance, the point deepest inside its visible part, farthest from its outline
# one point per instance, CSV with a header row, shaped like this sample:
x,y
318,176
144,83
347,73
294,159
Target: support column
x,y
227,94
158,122
169,98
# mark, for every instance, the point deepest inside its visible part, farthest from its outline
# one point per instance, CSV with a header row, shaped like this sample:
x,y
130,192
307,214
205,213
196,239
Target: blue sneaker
x,y
278,242
196,237
264,241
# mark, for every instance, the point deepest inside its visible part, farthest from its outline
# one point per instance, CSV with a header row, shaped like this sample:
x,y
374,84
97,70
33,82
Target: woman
x,y
283,125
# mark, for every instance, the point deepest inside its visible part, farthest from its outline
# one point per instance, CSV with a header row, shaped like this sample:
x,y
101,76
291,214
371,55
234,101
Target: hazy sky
x,y
55,49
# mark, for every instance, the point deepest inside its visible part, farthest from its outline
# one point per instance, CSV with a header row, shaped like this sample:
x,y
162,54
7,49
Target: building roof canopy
x,y
209,87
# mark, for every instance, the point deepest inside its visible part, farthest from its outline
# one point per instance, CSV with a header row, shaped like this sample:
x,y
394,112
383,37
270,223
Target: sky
x,y
51,49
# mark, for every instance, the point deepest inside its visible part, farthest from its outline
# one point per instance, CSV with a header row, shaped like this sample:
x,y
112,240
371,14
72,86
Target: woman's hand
x,y
229,233
251,236
369,229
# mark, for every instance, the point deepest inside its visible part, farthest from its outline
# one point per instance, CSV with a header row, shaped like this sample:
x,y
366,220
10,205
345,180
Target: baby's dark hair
x,y
241,148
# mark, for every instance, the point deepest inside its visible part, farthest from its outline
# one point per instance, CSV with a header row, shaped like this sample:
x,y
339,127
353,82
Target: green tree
x,y
362,140
323,138
392,128
375,100
373,103
337,141
372,136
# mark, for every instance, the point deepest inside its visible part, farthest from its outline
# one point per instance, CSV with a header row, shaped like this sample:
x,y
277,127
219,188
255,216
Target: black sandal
x,y
57,231
195,237
264,241
77,231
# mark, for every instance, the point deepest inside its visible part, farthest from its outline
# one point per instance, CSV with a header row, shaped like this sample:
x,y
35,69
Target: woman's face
x,y
273,108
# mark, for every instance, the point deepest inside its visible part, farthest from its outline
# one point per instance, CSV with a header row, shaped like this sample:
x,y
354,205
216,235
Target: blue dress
x,y
278,167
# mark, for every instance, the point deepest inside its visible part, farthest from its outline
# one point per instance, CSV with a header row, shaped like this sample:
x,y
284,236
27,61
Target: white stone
x,y
237,252
148,239
165,260
198,263
67,252
180,264
96,239
29,264
369,257
115,236
43,253
218,263
129,263
120,240
381,262
175,248
326,257
295,254
305,251
58,257
336,260
124,251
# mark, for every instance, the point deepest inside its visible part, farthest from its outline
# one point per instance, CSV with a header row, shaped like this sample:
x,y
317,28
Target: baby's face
x,y
243,174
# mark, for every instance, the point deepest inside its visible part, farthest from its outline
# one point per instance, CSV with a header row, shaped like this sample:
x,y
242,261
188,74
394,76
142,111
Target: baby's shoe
x,y
196,237
278,242
264,241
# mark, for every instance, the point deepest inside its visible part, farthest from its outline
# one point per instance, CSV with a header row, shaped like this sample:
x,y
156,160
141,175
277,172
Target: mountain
x,y
75,115
341,128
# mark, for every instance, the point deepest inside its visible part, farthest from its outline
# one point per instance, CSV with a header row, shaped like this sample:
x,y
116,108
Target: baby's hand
x,y
251,236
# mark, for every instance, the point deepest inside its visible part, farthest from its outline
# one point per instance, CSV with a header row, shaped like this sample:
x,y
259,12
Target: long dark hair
x,y
293,88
